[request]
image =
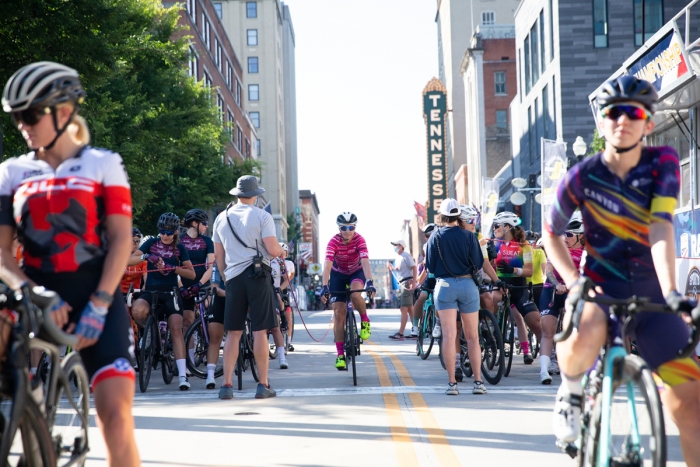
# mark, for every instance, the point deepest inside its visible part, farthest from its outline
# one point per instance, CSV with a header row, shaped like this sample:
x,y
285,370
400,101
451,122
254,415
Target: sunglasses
x,y
470,221
497,226
347,228
166,232
204,223
136,242
30,116
570,234
614,112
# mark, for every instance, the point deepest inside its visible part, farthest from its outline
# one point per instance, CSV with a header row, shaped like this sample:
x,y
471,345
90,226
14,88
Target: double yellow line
x,y
403,444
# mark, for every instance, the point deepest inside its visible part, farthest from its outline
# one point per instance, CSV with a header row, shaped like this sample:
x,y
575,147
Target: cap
x,y
399,242
450,207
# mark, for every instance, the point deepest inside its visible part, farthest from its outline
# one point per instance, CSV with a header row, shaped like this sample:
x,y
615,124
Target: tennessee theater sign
x,y
434,112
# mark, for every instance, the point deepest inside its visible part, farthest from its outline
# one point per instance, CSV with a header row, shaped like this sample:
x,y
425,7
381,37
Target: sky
x,y
361,67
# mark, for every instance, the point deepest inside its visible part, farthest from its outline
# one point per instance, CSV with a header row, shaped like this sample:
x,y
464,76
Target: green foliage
x,y
293,230
141,102
597,144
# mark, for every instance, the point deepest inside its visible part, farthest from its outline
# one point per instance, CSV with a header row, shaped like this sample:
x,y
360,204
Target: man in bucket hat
x,y
407,273
244,242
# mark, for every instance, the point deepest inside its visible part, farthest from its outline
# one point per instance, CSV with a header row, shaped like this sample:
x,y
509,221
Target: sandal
x,y
398,336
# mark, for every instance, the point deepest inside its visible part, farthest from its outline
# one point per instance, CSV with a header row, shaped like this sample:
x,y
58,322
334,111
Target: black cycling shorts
x,y
340,281
428,285
551,302
166,303
520,297
113,353
217,307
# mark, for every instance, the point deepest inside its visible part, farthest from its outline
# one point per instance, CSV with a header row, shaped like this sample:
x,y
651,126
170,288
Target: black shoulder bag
x,y
476,277
259,267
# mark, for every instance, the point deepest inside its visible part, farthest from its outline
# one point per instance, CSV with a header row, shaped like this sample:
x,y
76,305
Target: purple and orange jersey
x,y
617,213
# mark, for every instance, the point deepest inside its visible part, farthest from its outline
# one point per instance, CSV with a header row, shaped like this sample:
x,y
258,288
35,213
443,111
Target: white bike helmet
x,y
284,247
346,218
468,212
576,223
506,217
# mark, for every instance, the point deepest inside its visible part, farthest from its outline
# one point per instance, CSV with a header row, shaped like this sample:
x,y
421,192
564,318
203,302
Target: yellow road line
x,y
405,454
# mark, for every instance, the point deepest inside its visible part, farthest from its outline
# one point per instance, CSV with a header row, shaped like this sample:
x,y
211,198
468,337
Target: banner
x,y
305,250
553,170
490,192
434,112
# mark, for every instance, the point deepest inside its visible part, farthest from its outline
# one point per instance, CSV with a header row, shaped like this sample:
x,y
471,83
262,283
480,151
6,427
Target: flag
x,y
268,208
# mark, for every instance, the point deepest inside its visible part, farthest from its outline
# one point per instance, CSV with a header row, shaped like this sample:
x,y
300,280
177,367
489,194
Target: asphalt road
x,y
398,415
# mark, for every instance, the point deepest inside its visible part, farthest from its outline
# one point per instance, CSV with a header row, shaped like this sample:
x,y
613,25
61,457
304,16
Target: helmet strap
x,y
624,150
59,131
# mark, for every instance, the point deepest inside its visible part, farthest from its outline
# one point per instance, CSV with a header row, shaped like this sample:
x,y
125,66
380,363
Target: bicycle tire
x,y
167,363
635,371
251,357
534,344
354,345
146,351
442,360
287,337
509,327
79,400
240,364
425,331
491,343
200,346
35,448
464,364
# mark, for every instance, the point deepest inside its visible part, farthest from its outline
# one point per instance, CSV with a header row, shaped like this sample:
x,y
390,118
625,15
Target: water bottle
x,y
214,275
163,326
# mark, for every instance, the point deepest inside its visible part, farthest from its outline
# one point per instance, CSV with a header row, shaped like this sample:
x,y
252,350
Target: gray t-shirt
x,y
404,263
251,224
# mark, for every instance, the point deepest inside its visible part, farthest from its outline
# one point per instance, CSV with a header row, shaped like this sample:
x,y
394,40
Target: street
x,y
397,415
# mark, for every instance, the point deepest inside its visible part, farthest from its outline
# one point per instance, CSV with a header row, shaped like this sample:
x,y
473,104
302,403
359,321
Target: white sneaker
x,y
283,362
211,382
414,331
566,422
437,331
553,367
184,383
545,378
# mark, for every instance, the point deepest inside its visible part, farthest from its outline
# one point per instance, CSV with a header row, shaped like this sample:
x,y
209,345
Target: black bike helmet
x,y
346,218
532,236
628,88
428,229
136,232
196,215
168,221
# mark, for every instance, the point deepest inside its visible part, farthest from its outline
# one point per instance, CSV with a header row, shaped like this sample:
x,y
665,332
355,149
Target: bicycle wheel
x,y
464,363
442,360
70,420
31,443
251,357
354,344
195,338
636,407
534,344
146,351
491,341
167,366
425,333
508,326
287,337
240,363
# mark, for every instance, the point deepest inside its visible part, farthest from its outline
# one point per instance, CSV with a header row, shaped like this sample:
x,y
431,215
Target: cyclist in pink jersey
x,y
347,266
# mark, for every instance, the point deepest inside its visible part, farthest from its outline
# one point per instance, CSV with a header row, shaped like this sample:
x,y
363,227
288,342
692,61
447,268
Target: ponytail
x,y
77,128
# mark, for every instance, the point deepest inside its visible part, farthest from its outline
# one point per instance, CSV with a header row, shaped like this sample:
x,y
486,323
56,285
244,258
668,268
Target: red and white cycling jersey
x,y
346,257
60,215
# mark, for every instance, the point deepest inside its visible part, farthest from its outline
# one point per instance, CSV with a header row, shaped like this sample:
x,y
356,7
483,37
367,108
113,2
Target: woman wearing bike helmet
x,y
514,264
65,198
134,275
167,259
627,196
471,217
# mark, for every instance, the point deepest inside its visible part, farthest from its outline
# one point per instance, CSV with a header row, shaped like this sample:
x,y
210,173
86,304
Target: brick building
x,y
489,72
309,223
213,61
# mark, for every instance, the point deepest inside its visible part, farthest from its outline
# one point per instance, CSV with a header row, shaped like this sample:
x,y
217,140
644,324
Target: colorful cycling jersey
x,y
60,215
538,259
576,255
346,256
617,213
514,254
197,248
173,256
133,276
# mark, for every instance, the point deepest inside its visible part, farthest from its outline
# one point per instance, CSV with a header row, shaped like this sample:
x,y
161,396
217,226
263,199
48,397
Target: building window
x,y
251,9
543,60
219,9
258,148
239,92
218,53
252,37
255,118
527,64
192,9
545,112
554,107
220,105
252,64
520,81
499,78
247,148
530,134
231,124
502,119
205,31
229,76
207,80
488,18
652,17
600,23
551,31
253,92
239,137
534,40
193,68
536,128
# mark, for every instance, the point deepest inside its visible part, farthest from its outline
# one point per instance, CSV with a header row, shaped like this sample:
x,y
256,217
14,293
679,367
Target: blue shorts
x,y
551,302
340,281
456,293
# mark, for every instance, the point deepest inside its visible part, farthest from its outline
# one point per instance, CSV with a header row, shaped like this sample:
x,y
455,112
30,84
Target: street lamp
x,y
579,148
518,198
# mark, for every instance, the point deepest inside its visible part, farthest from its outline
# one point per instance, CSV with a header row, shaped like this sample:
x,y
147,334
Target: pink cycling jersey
x,y
346,256
576,255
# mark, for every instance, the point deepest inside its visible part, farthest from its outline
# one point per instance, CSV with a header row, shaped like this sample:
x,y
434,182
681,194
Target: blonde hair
x,y
77,128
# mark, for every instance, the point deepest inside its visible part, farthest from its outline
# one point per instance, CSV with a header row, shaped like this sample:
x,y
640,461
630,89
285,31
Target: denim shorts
x,y
456,293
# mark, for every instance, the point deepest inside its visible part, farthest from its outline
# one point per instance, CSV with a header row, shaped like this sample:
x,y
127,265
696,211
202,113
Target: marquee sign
x,y
434,112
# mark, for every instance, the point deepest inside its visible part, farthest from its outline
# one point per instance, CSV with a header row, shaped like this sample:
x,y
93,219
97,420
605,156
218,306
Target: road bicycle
x,y
506,323
41,424
425,341
155,345
352,336
491,343
246,356
621,417
197,336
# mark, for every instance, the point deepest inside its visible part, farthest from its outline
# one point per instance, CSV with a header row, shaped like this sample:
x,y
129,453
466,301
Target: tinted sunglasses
x,y
166,232
570,234
347,228
204,223
614,112
497,226
470,221
30,116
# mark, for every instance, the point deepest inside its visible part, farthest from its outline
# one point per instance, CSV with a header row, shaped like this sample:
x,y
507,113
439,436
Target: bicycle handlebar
x,y
346,291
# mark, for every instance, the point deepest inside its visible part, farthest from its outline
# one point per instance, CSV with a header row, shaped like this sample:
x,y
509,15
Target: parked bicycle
x,y
44,424
617,428
425,341
246,356
197,336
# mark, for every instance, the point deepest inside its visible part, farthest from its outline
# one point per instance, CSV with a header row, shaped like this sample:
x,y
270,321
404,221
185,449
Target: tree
x,y
597,143
141,102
